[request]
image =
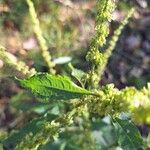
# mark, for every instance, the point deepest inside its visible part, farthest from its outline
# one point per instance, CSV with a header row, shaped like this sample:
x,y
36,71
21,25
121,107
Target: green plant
x,y
91,116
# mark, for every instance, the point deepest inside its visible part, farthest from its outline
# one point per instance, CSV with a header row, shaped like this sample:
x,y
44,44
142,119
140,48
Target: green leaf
x,y
53,87
25,102
32,127
52,145
103,134
79,75
73,139
128,135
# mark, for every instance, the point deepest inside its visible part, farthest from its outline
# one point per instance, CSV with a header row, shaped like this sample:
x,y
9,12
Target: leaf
x,y
79,75
25,102
127,134
73,139
103,134
53,87
52,145
32,127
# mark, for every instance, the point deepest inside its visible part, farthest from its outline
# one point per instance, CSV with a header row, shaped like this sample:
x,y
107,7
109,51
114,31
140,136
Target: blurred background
x,y
68,26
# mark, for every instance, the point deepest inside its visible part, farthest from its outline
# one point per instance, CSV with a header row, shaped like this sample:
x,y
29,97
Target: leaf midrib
x,y
126,134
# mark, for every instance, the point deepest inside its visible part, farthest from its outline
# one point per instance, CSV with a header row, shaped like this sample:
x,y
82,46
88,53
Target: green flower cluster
x,y
108,102
104,15
113,41
140,104
114,101
46,133
49,130
42,42
98,59
11,60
